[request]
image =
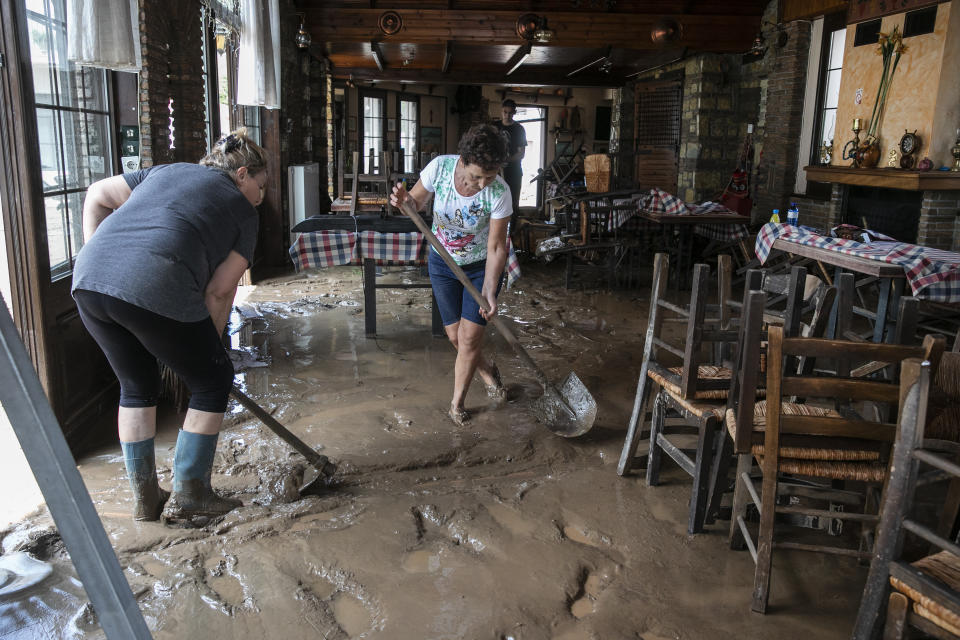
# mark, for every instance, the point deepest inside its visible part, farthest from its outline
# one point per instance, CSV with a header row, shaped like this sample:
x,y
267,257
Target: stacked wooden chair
x,y
697,389
926,592
817,444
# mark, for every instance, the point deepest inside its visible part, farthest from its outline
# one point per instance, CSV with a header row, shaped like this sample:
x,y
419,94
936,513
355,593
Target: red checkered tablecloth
x,y
659,201
933,274
320,249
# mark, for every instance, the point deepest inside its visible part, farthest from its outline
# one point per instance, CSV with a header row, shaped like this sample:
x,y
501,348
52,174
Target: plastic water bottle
x,y
793,214
776,216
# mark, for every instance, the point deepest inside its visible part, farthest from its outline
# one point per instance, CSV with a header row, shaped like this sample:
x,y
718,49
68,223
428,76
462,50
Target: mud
x,y
496,530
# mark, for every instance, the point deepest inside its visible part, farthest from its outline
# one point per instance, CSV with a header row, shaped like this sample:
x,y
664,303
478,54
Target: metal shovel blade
x,y
567,411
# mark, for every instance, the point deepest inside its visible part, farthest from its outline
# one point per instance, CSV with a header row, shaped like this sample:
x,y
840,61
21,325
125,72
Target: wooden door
x,y
53,144
657,112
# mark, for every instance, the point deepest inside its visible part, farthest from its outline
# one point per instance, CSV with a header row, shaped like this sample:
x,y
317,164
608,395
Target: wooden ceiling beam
x,y
791,10
716,33
522,78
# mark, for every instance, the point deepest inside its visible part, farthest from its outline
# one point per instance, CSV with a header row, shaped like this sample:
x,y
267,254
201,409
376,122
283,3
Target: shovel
x,y
317,476
567,411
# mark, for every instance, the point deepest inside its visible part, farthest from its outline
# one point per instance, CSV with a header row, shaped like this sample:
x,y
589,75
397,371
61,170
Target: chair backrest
x,y
886,564
700,329
848,391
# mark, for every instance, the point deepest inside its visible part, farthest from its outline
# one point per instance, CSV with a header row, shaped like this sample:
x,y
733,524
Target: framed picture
x,y
431,139
352,123
391,125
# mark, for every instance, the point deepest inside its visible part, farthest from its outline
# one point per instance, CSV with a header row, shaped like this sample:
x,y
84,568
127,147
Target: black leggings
x,y
134,339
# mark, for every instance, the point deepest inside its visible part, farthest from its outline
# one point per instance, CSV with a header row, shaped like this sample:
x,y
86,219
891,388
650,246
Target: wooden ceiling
x,y
595,42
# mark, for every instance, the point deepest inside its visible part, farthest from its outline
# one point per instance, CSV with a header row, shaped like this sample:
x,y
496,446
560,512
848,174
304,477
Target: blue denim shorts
x,y
453,300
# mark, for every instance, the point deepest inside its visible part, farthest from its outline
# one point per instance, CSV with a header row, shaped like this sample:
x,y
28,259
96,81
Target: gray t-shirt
x,y
159,250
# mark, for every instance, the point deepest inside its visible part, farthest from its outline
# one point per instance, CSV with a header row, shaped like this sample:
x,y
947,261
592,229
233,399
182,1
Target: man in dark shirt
x,y
512,171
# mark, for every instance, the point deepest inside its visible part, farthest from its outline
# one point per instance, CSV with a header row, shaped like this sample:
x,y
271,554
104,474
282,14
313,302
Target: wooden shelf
x,y
888,178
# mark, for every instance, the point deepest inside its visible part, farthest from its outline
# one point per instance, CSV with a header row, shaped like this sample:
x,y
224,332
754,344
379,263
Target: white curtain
x,y
104,33
258,69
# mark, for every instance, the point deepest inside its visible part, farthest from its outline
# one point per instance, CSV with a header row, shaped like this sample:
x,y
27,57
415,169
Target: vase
x,y
868,154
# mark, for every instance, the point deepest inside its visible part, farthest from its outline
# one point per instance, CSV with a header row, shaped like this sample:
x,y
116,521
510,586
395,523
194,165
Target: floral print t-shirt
x,y
462,224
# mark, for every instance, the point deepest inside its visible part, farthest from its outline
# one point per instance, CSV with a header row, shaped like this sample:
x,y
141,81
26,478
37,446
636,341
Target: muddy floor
x,y
496,530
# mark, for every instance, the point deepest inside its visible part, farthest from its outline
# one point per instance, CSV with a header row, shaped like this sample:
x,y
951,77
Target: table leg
x,y
370,296
896,292
883,306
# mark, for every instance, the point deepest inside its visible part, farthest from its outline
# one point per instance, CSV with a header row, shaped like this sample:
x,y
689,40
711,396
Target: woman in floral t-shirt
x,y
471,212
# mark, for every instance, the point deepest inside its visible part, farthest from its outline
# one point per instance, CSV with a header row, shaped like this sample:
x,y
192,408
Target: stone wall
x,y
171,82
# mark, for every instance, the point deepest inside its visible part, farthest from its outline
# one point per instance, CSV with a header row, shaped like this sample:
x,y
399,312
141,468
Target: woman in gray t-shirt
x,y
165,248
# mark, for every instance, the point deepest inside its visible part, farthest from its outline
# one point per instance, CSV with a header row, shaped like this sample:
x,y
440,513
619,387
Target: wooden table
x,y
683,251
388,224
891,276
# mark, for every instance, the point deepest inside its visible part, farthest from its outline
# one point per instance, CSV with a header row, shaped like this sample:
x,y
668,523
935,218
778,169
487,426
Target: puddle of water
x,y
351,615
579,535
582,607
511,519
421,562
320,587
228,587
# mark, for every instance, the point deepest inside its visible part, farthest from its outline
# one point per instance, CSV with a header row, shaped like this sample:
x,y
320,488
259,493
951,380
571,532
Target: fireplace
x,y
893,212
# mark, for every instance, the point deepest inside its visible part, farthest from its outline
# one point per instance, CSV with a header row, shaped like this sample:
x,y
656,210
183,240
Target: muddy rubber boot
x,y
193,502
148,497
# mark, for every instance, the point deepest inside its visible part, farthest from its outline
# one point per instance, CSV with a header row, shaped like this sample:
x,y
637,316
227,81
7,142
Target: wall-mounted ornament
x,y
390,23
665,31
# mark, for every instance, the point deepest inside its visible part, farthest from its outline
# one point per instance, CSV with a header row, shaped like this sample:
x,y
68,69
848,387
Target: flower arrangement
x,y
890,47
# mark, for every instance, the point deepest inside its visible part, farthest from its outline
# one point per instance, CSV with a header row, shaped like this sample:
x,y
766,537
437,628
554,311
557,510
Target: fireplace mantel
x,y
888,178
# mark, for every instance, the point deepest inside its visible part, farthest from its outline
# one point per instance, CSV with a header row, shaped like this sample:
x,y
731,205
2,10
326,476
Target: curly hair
x,y
483,145
234,151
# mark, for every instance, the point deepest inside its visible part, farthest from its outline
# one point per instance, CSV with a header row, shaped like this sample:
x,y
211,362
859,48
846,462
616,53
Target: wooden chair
x,y
927,592
698,386
828,441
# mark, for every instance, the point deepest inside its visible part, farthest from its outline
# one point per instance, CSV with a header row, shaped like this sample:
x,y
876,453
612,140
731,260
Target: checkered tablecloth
x,y
659,201
933,274
320,249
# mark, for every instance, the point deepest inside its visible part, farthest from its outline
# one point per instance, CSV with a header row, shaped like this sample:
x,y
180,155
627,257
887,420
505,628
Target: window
x,y
409,121
220,51
833,65
73,126
251,120
372,123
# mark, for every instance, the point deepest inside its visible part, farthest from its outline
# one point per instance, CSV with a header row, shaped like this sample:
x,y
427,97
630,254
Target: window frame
x,y
415,99
109,147
832,22
381,95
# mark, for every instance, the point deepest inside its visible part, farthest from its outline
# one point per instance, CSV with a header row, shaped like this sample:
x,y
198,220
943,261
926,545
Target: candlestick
x,y
856,125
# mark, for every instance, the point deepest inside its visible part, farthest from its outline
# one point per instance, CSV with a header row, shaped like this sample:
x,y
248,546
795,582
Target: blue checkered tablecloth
x,y
320,249
933,274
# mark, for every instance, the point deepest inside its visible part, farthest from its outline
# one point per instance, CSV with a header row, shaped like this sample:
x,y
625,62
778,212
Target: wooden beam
x,y
525,77
716,33
522,53
791,10
447,56
595,60
378,55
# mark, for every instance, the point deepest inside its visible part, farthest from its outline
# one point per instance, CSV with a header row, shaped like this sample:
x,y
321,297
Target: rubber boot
x,y
148,497
193,502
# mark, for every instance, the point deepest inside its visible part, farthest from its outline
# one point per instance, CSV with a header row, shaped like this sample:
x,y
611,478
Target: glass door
x,y
533,120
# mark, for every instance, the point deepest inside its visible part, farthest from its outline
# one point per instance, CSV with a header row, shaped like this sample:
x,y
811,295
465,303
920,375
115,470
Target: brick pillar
x,y
938,214
171,42
781,115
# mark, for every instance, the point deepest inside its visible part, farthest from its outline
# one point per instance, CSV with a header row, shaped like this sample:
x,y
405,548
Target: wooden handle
x,y
474,293
315,459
